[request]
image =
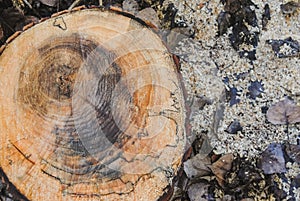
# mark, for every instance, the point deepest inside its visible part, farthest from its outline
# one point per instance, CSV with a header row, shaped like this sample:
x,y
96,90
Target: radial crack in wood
x,y
91,109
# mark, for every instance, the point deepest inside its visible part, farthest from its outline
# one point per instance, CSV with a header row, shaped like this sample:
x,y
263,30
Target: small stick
x,y
28,4
74,4
287,130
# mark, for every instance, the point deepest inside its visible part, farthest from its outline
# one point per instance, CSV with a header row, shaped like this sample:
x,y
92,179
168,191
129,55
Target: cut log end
x,y
92,108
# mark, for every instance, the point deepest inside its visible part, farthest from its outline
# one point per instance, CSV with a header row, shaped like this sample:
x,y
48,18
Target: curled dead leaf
x,y
272,159
284,112
197,166
198,192
221,167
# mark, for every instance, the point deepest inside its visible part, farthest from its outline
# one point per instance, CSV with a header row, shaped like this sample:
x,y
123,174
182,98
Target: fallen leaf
x,y
293,152
272,159
255,89
197,166
221,167
198,192
284,112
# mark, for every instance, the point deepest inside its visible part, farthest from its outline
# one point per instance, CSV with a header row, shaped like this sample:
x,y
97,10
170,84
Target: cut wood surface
x,y
91,109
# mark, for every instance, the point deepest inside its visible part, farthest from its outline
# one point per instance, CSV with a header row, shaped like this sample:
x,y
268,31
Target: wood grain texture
x,y
91,109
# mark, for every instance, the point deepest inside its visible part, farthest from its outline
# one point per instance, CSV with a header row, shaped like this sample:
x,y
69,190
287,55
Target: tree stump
x,y
91,109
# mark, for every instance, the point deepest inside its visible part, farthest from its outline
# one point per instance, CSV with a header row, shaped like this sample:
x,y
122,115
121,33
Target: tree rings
x,y
91,109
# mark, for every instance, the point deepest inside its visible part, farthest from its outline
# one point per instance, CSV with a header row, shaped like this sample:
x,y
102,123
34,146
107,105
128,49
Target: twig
x,y
75,3
287,131
28,4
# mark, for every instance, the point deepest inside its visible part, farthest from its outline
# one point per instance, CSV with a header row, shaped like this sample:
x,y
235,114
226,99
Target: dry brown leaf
x,y
221,167
284,112
272,159
197,166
